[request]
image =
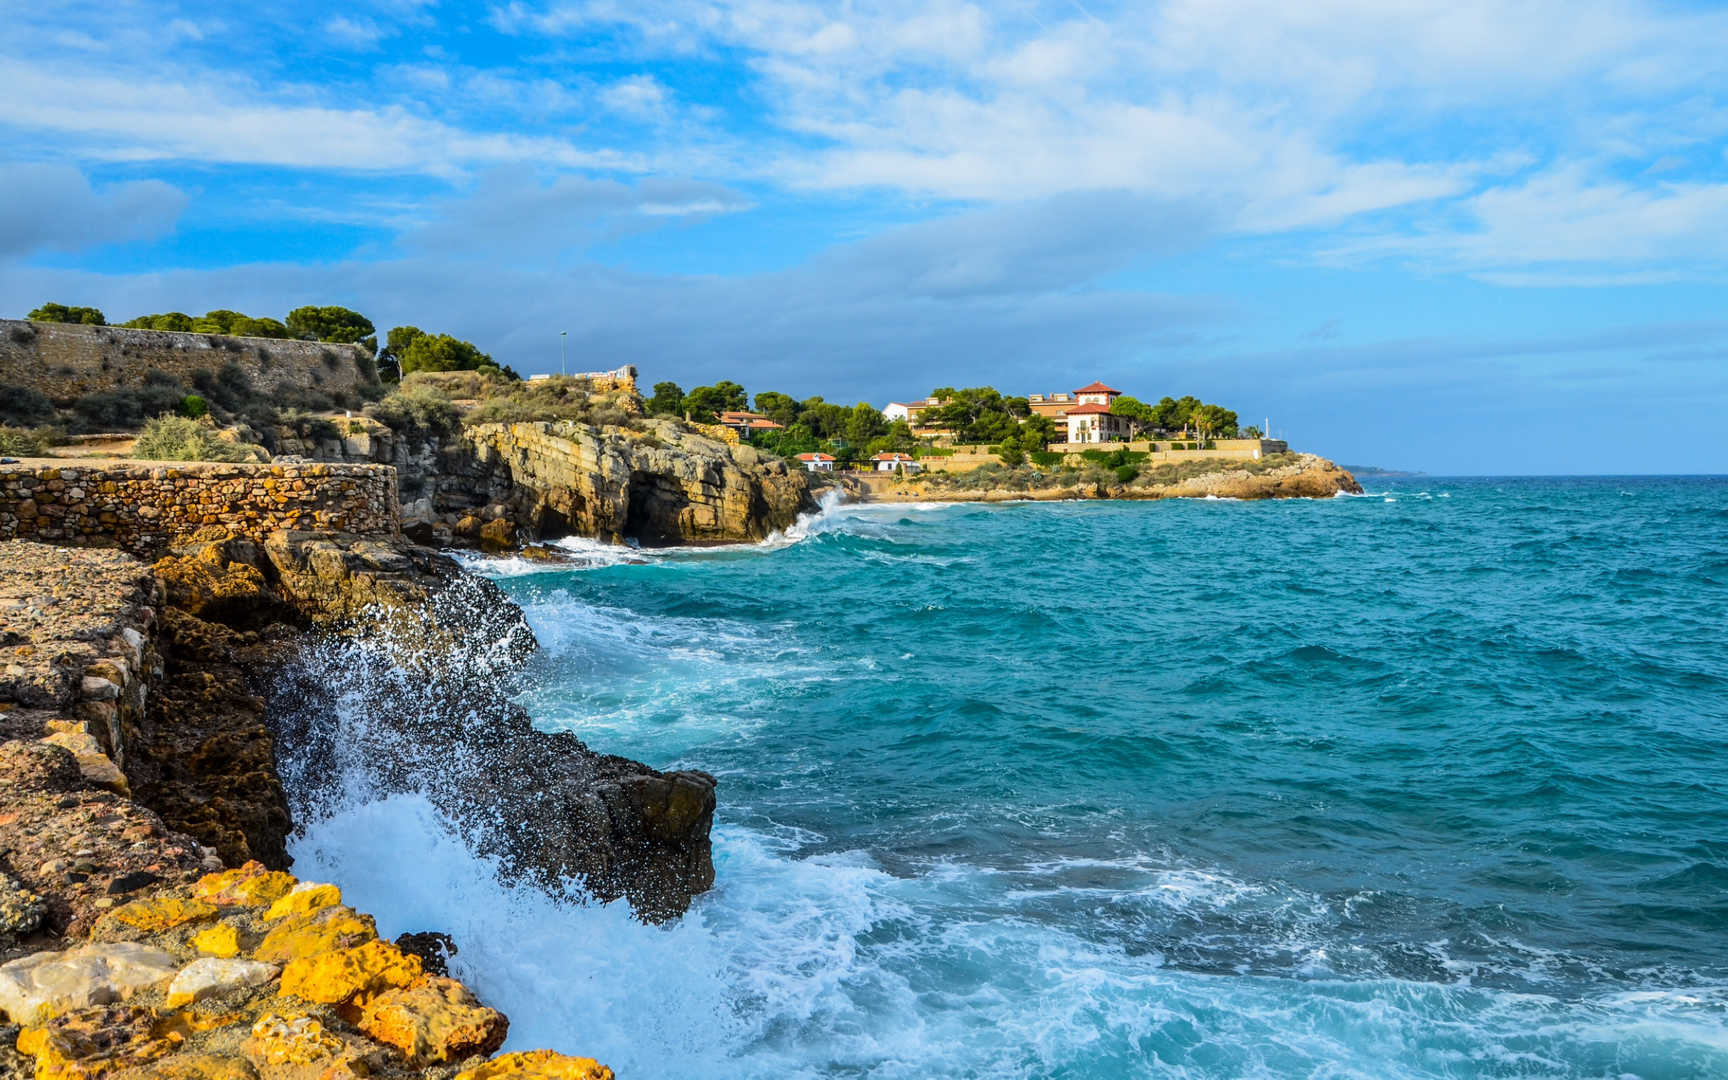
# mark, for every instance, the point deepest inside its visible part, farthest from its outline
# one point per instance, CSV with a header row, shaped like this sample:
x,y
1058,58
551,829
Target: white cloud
x,y
360,35
1566,219
220,121
641,97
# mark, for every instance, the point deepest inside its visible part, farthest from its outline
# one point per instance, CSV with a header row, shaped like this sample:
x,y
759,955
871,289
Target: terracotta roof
x,y
815,457
1089,409
890,455
764,424
1097,388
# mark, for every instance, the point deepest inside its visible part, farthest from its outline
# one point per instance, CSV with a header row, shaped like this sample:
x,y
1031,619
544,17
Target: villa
x,y
817,462
1081,416
748,423
890,461
1091,421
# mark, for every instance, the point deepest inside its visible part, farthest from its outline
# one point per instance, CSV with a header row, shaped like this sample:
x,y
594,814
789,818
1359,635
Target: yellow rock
x,y
250,884
284,1040
434,1021
298,937
304,897
92,1043
221,941
196,1067
334,978
538,1065
160,913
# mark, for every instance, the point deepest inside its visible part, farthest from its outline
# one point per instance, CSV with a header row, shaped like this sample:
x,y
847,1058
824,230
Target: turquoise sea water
x,y
1426,783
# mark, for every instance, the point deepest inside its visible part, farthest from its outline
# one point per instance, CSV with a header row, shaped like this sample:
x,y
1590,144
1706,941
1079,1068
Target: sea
x,y
1426,782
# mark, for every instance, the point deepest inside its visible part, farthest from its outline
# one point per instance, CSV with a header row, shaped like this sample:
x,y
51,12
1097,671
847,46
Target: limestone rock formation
x,y
496,486
664,485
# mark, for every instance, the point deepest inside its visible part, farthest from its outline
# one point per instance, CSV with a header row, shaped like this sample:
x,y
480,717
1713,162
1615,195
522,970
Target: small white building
x,y
892,460
817,462
897,410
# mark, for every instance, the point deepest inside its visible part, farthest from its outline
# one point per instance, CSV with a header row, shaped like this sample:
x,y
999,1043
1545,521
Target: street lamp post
x,y
562,335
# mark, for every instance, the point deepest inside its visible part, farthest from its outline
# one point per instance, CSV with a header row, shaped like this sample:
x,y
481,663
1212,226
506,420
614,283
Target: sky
x,y
1454,236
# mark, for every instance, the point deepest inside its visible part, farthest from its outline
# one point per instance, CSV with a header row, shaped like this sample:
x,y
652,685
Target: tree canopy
x,y
87,316
975,414
706,403
220,321
415,350
335,324
668,400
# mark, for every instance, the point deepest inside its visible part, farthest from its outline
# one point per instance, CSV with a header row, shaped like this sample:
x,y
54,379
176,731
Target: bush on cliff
x,y
416,408
125,410
180,438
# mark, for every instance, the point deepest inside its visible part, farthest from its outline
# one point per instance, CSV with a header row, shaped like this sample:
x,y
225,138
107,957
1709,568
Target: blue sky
x,y
1449,235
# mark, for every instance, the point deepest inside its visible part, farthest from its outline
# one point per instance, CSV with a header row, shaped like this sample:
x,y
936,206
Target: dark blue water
x,y
1429,783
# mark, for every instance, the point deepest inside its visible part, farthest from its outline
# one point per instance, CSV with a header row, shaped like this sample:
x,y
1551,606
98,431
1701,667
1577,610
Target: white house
x,y
817,462
897,410
1093,423
890,460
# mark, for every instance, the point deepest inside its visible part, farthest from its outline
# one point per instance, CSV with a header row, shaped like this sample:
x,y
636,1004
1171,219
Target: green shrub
x,y
125,410
180,438
418,408
1125,474
23,406
307,426
1046,459
23,442
192,407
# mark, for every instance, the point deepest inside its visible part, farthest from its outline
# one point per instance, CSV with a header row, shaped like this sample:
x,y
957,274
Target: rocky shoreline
x,y
1309,477
147,923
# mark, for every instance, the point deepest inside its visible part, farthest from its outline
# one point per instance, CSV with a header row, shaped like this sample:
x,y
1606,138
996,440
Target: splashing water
x,y
1339,788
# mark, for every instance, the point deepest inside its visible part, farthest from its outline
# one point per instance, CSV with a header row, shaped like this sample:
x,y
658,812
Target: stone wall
x,y
144,507
67,361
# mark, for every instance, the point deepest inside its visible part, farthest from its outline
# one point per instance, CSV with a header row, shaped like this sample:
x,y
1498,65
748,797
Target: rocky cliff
x,y
497,485
125,948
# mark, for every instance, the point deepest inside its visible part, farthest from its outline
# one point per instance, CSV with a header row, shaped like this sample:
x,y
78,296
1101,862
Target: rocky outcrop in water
x,y
426,657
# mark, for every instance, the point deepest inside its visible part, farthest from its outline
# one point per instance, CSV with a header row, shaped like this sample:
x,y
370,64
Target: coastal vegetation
x,y
440,402
181,438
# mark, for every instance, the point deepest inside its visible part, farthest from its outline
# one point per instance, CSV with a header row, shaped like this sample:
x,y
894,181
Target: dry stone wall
x,y
67,361
143,508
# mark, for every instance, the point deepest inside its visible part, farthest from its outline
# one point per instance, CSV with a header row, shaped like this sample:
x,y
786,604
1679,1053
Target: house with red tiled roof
x,y
1083,415
817,462
748,423
894,461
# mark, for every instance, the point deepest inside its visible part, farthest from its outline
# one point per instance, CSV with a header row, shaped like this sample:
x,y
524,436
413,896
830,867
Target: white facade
x,y
1095,427
817,462
897,410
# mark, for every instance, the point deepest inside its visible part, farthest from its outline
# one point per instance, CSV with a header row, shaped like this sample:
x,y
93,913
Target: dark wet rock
x,y
433,948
